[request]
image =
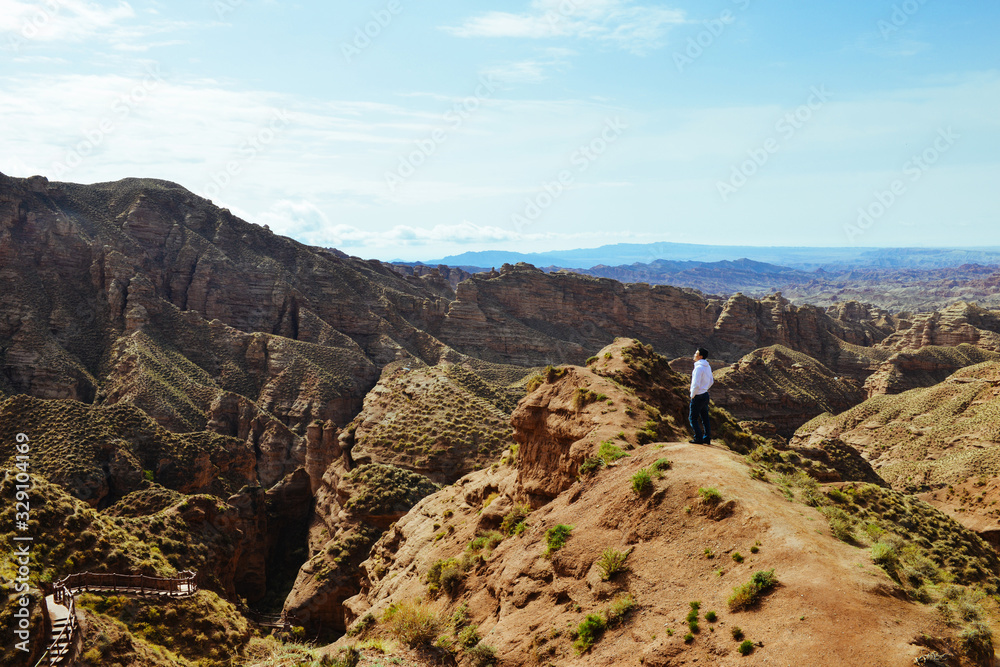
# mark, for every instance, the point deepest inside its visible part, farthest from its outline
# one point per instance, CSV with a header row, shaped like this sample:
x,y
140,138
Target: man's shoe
x,y
697,442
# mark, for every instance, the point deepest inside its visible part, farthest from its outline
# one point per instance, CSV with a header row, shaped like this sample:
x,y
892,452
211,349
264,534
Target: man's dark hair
x,y
703,352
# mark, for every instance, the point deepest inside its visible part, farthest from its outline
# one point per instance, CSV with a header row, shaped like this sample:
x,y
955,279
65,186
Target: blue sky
x,y
397,129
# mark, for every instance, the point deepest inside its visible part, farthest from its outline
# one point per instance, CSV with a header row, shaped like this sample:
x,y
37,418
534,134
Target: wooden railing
x,y
65,590
61,644
132,584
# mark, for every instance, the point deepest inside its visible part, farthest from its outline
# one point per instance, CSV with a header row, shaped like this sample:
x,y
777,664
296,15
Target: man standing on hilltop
x,y
701,382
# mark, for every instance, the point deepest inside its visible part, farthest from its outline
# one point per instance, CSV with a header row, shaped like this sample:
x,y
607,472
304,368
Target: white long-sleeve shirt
x,y
701,377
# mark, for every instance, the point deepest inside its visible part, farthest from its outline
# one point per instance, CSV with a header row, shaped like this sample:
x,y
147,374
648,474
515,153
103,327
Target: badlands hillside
x,y
432,467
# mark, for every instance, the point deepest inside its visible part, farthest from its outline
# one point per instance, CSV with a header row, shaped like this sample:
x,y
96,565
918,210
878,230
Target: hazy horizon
x,y
395,131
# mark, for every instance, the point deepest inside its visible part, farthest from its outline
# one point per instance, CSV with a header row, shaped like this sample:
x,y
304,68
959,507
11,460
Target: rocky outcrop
x,y
783,387
924,367
958,324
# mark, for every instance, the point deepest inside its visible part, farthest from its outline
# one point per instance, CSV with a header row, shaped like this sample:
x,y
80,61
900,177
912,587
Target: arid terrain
x,y
425,466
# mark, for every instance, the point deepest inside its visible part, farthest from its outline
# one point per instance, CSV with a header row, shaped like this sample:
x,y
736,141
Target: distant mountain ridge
x,y
802,258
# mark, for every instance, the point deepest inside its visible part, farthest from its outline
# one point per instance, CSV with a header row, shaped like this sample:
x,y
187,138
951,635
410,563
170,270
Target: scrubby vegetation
x,y
746,595
555,538
386,489
612,562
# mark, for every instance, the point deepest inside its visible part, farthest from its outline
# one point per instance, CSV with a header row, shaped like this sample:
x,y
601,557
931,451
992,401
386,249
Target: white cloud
x,y
635,28
534,70
61,20
305,221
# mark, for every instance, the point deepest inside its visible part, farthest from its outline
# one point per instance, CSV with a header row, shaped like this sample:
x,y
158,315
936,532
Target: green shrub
x,y
693,626
737,632
885,556
468,636
688,638
590,465
556,537
481,655
485,541
619,610
737,556
837,496
612,562
588,632
514,522
746,595
977,642
610,452
347,656
661,464
642,482
710,496
711,616
746,648
414,623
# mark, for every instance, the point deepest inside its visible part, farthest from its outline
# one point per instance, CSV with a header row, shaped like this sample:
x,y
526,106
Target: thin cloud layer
x,y
635,28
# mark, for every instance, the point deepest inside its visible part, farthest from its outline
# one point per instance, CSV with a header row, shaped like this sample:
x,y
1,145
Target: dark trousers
x,y
699,412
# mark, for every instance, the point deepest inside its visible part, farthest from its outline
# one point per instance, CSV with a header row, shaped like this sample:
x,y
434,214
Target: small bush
x,y
413,623
693,626
619,610
737,632
688,638
710,496
746,595
485,541
661,464
838,496
711,616
468,636
346,657
737,556
514,522
642,482
977,642
885,556
610,452
588,632
590,466
754,549
361,626
612,562
746,648
556,537
481,655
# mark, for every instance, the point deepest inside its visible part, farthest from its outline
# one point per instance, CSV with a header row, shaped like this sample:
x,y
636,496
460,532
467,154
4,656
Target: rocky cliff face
x,y
925,367
783,387
958,324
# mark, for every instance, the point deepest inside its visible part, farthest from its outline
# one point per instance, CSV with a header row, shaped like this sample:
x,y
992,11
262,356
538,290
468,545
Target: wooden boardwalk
x,y
60,607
